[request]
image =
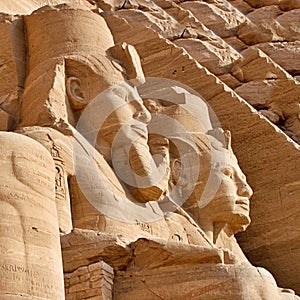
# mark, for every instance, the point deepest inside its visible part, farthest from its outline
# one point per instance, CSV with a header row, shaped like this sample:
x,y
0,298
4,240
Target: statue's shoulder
x,y
15,146
58,144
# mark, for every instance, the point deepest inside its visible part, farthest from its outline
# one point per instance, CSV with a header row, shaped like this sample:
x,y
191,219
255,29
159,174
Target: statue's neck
x,y
211,229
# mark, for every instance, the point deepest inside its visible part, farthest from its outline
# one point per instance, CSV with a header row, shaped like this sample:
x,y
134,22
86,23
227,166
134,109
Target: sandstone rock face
x,y
117,179
12,69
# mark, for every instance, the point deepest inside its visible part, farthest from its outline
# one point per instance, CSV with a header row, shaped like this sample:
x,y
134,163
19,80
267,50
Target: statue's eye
x,y
228,172
151,105
119,92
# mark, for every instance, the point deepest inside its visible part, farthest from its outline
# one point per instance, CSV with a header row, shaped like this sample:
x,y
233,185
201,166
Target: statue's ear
x,y
175,170
75,93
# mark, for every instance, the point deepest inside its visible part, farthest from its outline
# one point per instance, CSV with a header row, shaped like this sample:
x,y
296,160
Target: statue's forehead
x,y
224,158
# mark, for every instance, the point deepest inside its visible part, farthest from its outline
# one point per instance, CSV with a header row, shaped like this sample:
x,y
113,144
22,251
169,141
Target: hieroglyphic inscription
x,y
37,282
59,181
144,226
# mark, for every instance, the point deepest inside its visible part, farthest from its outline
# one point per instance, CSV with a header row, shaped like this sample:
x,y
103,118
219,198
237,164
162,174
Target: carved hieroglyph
x,y
134,174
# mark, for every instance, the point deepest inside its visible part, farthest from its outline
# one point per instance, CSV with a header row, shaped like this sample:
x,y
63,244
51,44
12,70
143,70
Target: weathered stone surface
x,y
273,25
8,72
217,59
165,25
3,120
269,91
280,97
241,130
241,5
242,157
245,69
221,17
235,43
12,66
94,280
31,263
26,7
285,54
273,117
204,45
243,135
209,283
60,148
230,80
289,5
283,4
83,247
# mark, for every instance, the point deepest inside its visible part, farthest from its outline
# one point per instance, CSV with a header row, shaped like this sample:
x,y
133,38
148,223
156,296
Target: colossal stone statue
x,y
88,67
68,71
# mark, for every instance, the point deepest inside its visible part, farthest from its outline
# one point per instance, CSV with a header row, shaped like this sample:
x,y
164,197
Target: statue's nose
x,y
244,189
142,114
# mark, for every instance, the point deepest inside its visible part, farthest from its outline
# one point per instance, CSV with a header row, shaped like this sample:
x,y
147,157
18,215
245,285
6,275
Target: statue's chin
x,y
239,223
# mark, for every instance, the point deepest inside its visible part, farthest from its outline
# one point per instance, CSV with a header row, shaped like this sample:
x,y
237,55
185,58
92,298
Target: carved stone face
x,y
126,121
231,202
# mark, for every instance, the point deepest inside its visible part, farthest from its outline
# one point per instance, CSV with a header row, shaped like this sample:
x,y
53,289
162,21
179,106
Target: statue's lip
x,y
140,130
159,145
159,150
243,202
